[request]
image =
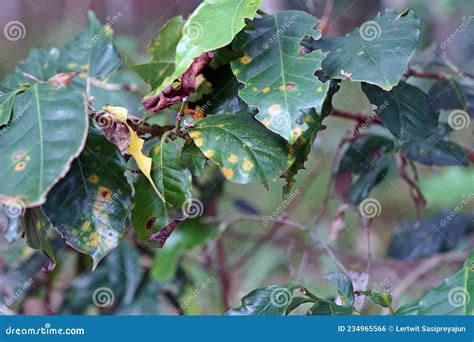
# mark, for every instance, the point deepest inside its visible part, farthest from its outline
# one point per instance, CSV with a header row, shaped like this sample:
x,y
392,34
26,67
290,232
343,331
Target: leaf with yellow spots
x,y
47,131
211,26
304,144
136,146
42,64
277,79
92,51
173,180
194,159
377,52
242,147
89,206
36,226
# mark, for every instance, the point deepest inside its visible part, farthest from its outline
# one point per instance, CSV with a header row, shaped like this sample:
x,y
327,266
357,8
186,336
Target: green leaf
x,y
92,51
273,300
436,152
383,298
344,286
193,158
406,111
173,180
188,235
37,226
327,308
6,105
424,238
408,309
89,206
42,64
224,98
369,158
452,297
277,79
453,93
242,147
49,130
377,53
163,50
114,283
212,25
357,158
304,144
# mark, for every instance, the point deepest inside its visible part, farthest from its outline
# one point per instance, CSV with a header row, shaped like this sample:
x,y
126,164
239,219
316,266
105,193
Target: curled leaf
x,y
177,91
135,147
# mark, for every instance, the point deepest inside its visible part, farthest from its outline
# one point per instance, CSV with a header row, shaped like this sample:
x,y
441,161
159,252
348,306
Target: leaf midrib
x,y
41,142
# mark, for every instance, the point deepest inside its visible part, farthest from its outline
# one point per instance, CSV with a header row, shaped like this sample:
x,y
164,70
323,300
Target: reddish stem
x,y
361,118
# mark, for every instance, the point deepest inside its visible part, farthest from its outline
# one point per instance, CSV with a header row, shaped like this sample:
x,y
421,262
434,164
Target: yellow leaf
x,y
136,146
119,112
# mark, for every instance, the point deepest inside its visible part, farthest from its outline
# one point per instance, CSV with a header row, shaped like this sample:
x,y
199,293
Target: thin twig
x,y
286,221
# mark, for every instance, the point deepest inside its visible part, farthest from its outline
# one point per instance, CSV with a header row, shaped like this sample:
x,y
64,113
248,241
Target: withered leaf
x,y
177,91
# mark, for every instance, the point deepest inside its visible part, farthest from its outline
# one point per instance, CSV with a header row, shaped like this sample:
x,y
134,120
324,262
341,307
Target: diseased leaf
x,y
49,131
273,300
151,214
163,51
242,147
89,206
135,147
304,144
406,111
181,89
453,93
212,25
344,286
277,79
6,105
37,226
377,52
91,52
193,158
431,235
41,64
